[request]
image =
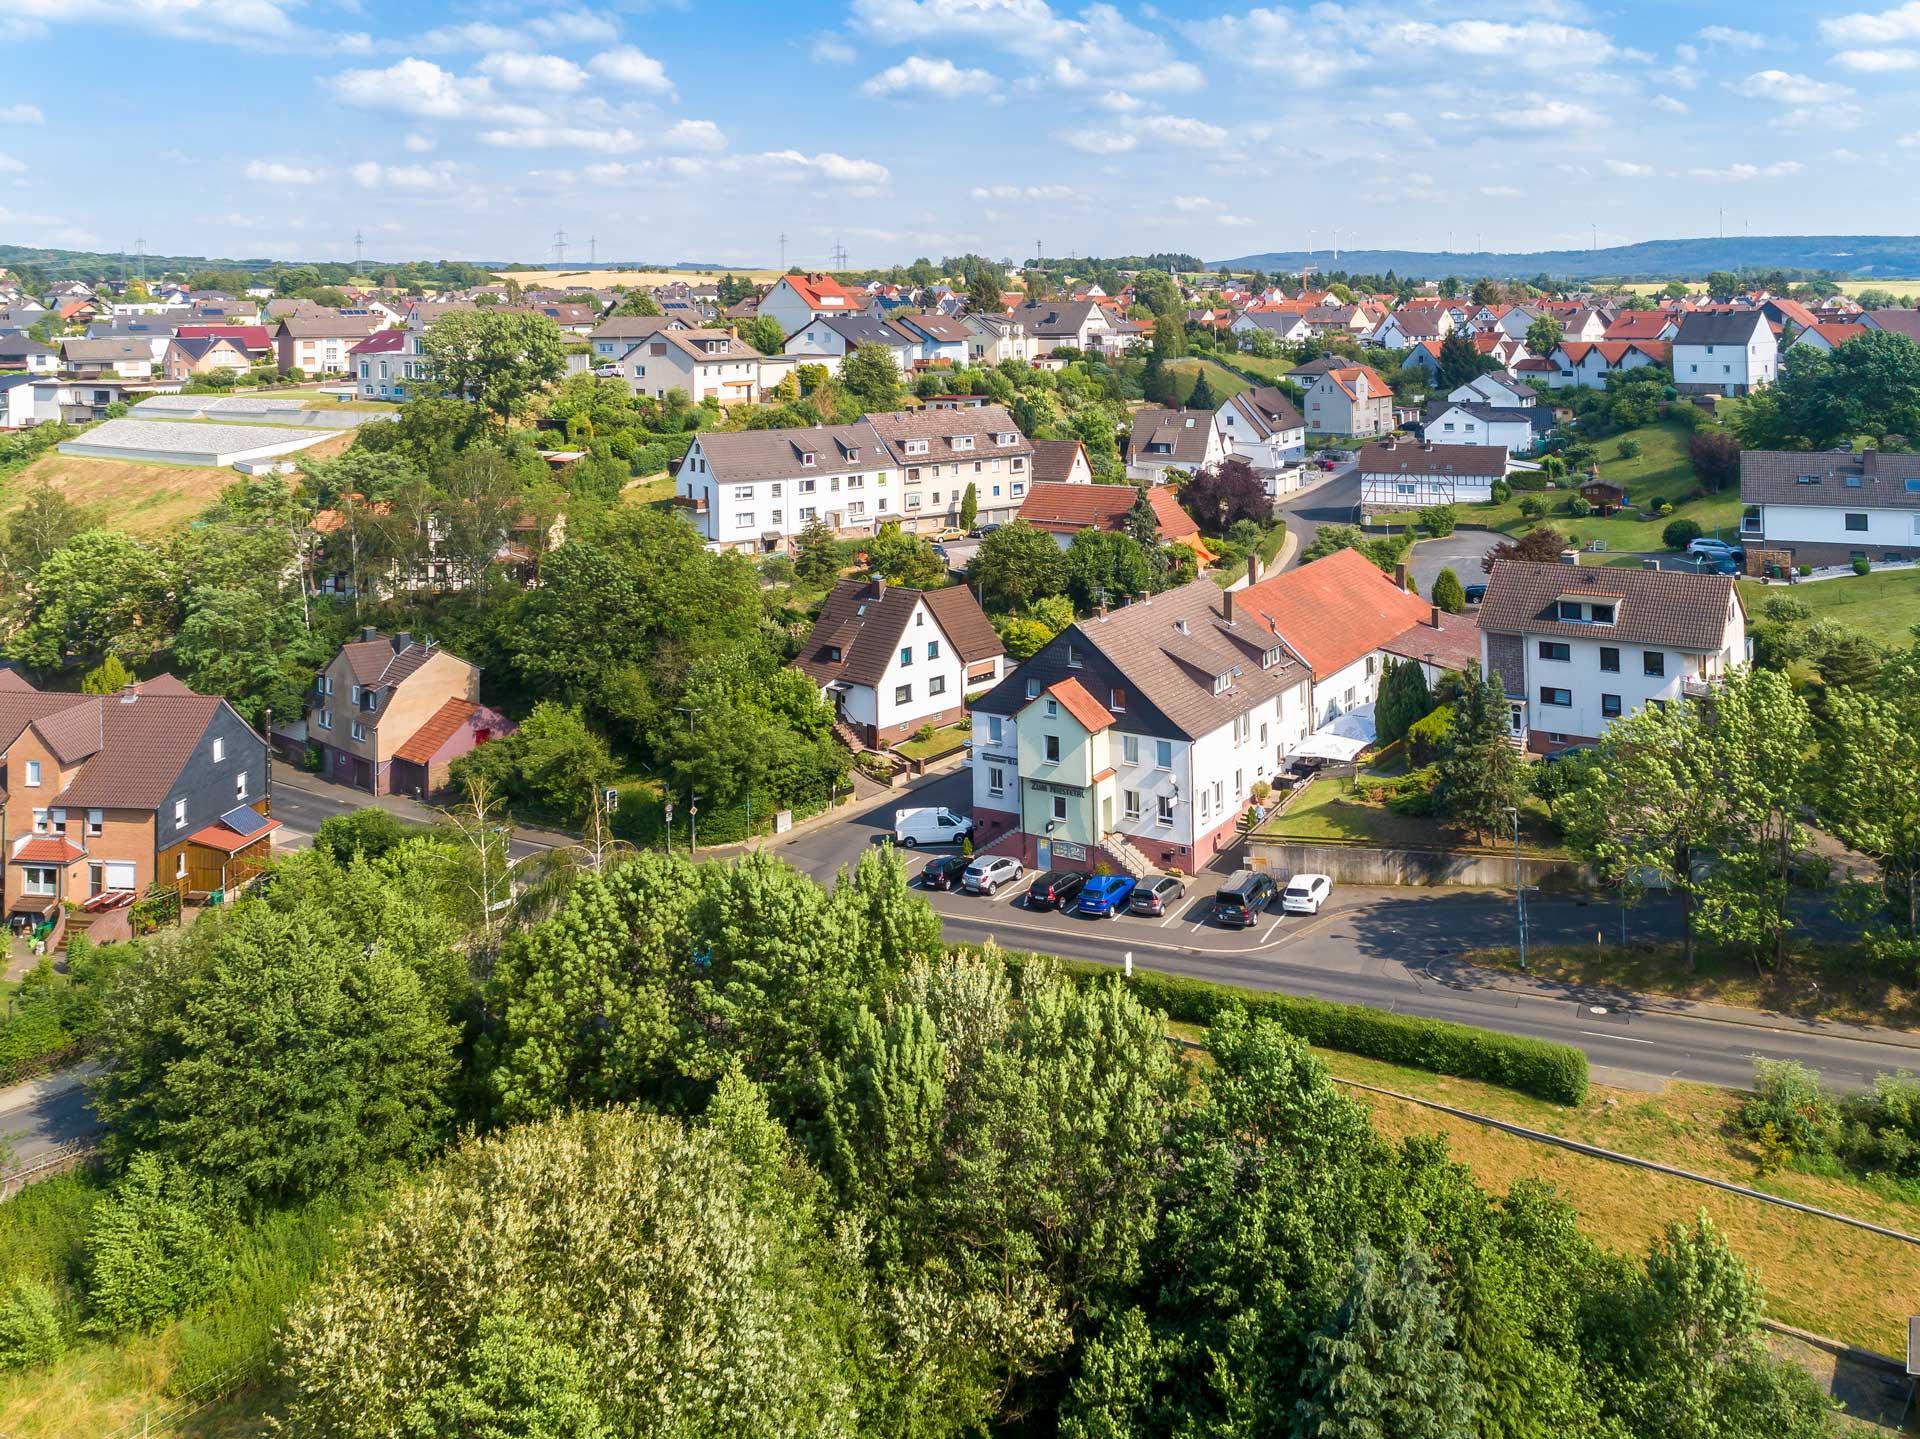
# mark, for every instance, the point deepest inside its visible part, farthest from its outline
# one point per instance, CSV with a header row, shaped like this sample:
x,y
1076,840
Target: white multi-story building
x,y
1831,507
703,364
1577,647
1724,352
940,452
1263,427
388,365
754,490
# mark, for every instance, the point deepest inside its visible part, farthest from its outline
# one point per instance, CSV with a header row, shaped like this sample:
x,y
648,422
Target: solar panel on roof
x,y
244,820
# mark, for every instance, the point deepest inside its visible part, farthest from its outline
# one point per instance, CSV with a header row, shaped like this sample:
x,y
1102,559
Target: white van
x,y
915,827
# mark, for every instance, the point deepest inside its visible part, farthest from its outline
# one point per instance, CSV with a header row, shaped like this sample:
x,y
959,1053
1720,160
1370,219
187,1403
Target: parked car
x,y
936,825
1710,564
944,872
1476,593
1106,894
1327,462
939,549
1305,893
980,532
988,874
1156,894
1243,899
1056,889
1719,549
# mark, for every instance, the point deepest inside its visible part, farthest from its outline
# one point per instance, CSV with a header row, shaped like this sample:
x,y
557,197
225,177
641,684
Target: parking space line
x,y
1168,920
1270,929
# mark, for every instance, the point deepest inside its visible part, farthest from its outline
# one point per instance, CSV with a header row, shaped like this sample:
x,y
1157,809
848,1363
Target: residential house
x,y
1061,462
797,300
1501,391
892,660
755,490
185,359
993,339
389,713
1350,399
1401,475
1582,322
1064,324
1579,362
1516,430
125,359
1185,440
1288,327
1893,322
318,344
1831,507
1264,428
1336,615
17,407
1353,321
255,340
833,339
939,341
388,365
1661,325
941,452
616,335
1410,327
107,795
1135,738
20,351
1064,510
1731,352
1828,335
1576,647
702,364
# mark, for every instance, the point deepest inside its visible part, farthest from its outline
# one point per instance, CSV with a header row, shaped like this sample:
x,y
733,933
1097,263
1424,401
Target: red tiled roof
x,y
1334,610
823,292
381,342
440,727
47,849
1088,711
218,836
248,337
1062,508
1638,325
1837,333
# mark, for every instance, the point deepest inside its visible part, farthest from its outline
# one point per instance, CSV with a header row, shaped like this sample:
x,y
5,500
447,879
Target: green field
x,y
1884,606
1271,369
1186,374
1330,808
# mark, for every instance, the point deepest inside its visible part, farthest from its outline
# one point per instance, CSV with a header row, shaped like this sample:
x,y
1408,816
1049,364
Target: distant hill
x,y
1884,256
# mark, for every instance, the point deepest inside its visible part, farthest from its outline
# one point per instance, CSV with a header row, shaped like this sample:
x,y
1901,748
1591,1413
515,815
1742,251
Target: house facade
x,y
1134,738
1724,352
185,358
795,300
318,344
940,452
703,364
616,335
755,490
1264,428
1590,362
1162,440
1404,475
379,714
891,660
388,365
1515,430
1350,400
1577,647
1831,507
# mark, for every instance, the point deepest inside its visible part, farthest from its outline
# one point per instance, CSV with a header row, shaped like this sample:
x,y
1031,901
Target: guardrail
x,y
57,1160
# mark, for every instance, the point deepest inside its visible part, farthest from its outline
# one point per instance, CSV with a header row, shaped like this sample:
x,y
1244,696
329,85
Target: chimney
x,y
1570,557
1400,575
1435,621
1141,598
129,692
402,640
876,588
368,634
1253,570
1227,595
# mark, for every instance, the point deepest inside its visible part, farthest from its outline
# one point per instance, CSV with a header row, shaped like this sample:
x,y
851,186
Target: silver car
x,y
985,875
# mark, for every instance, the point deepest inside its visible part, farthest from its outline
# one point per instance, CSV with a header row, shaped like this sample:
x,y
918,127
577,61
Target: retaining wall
x,y
1379,865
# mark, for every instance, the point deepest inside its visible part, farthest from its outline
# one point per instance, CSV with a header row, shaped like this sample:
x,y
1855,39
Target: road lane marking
x,y
1624,1038
1270,929
1171,917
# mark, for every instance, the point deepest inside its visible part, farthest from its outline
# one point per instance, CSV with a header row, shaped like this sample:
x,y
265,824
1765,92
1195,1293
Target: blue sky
x,y
705,130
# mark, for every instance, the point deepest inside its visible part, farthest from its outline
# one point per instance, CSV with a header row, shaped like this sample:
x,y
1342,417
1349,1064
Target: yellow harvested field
x,y
1900,289
140,498
595,279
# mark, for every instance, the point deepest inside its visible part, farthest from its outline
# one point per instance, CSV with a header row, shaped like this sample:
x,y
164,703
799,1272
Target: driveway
x,y
1459,551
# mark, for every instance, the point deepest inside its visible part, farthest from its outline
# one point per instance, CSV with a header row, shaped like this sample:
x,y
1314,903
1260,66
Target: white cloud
x,y
534,72
372,175
1542,44
256,23
21,115
832,50
418,144
1784,86
1875,62
275,172
1626,169
1120,102
1181,130
611,140
1502,192
1065,73
420,87
1097,142
10,166
1841,115
575,25
917,75
1742,171
829,166
1022,192
1884,28
1732,39
629,65
1191,203
701,135
1033,29
1541,112
1671,105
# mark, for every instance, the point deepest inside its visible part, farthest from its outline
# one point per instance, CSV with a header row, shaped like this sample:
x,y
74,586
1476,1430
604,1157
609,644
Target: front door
x,y
1043,856
1517,719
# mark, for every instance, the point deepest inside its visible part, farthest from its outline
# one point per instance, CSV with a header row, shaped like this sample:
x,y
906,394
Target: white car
x,y
938,825
1305,893
985,875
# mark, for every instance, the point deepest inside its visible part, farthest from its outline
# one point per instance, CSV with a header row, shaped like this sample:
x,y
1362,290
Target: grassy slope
x,y
1329,809
1884,606
1273,369
1187,374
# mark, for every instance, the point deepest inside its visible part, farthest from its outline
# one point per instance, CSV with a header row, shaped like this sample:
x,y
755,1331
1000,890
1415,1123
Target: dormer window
x,y
833,653
1271,658
1222,683
916,447
1010,439
963,442
806,459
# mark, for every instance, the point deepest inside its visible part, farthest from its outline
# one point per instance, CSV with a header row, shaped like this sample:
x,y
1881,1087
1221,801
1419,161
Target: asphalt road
x,y
301,801
43,1114
1398,949
1334,501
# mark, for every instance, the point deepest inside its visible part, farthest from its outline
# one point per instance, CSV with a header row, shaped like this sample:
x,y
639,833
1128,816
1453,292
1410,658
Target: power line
x,y
560,246
783,250
839,256
593,251
359,249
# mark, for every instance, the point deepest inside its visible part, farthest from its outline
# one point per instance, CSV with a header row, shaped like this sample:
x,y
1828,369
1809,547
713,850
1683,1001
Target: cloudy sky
x,y
706,129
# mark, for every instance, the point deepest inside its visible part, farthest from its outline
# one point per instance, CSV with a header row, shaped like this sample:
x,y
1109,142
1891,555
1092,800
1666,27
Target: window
x,y
1060,806
743,492
994,729
996,780
40,821
1117,701
1239,783
359,730
1551,696
1130,749
1219,794
240,786
1555,650
95,823
326,719
1856,521
1600,614
33,774
1053,749
1653,662
1053,708
906,656
1163,754
219,749
1073,656
903,694
1130,802
933,649
1164,810
1610,706
1609,659
1033,689
179,814
937,685
743,520
46,880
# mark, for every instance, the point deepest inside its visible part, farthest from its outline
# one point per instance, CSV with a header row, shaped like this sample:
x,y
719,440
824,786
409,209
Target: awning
x,y
1342,738
229,840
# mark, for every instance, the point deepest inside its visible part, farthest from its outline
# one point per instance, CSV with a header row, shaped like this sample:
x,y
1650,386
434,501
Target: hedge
x,y
1556,1072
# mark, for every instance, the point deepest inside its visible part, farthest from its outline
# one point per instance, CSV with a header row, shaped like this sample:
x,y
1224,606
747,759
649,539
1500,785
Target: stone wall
x,y
1378,865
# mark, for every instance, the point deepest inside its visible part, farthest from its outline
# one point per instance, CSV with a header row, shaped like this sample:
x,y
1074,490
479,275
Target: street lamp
x,y
692,809
1519,889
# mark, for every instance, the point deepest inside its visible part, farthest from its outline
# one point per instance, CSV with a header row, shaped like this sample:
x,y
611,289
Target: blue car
x,y
1106,894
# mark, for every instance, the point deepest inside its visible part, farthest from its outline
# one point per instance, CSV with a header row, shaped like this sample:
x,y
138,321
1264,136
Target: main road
x,y
1397,949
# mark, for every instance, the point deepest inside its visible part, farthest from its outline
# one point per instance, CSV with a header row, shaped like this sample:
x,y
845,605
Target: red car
x,y
1326,462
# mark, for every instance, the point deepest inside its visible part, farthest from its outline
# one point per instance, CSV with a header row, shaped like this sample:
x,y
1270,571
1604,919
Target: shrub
x,y
1805,570
1630,448
1665,509
1885,1133
1501,492
1439,520
1426,736
1860,565
154,1247
30,1330
1680,533
1789,1108
371,832
1448,592
1579,506
1715,457
1533,507
1556,1072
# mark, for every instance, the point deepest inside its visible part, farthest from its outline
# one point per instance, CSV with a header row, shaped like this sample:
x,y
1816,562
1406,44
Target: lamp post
x,y
692,809
1519,889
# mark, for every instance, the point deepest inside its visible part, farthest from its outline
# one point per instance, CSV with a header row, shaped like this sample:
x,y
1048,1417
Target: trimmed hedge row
x,y
1556,1072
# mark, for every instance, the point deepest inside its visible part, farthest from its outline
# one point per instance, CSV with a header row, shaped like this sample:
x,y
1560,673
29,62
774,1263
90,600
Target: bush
x,y
1448,592
1715,457
1804,570
1426,736
1501,492
1885,1132
30,1330
1665,509
1861,566
1680,533
154,1247
1579,506
1630,448
1439,520
371,832
1556,1072
1533,507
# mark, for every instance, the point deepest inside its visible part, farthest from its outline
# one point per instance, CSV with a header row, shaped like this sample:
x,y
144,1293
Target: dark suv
x,y
1243,899
1056,889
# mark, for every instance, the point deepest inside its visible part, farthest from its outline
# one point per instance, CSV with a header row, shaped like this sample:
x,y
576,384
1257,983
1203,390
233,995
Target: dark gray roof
x,y
862,622
1837,479
1267,410
743,456
984,424
1054,318
1175,436
1719,327
634,327
1279,322
1661,608
1538,416
864,330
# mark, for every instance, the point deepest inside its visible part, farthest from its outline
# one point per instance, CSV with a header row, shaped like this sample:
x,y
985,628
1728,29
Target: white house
x,y
1350,400
941,452
1576,647
754,490
388,365
996,338
1724,352
1263,427
1286,326
892,659
1590,362
1185,440
1410,327
1403,476
1501,391
1135,738
830,340
1831,507
1517,431
937,339
1070,324
614,337
796,299
23,352
703,364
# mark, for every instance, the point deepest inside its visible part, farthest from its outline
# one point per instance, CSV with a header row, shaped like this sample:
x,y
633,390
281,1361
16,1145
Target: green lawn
x,y
1883,606
941,741
1271,369
1329,809
1186,374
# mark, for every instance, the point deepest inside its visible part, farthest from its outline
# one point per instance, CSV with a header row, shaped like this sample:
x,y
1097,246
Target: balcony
x,y
688,502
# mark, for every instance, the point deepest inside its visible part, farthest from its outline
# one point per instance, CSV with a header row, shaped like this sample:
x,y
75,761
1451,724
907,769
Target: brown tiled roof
x,y
74,733
1333,611
328,327
1053,459
1836,479
1091,715
941,427
1663,608
1837,332
966,625
1063,508
375,663
864,620
1267,410
441,726
1454,643
1383,458
1895,322
1184,432
145,740
745,455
